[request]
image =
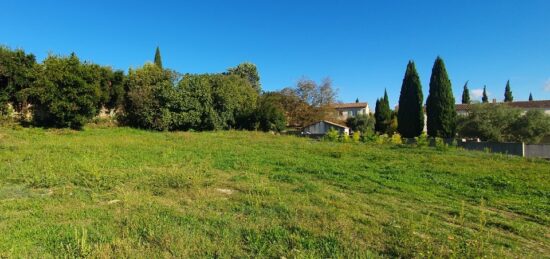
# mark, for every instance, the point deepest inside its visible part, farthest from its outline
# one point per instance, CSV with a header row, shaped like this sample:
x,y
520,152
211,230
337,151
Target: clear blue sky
x,y
363,46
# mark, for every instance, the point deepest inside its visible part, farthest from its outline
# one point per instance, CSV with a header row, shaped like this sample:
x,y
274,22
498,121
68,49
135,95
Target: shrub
x,y
344,138
332,135
422,140
150,93
440,144
62,95
356,136
396,139
381,139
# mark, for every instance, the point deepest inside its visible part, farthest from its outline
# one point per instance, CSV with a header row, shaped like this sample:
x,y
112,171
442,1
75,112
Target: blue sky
x,y
363,46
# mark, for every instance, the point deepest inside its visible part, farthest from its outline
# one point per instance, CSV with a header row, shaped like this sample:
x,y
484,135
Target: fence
x,y
537,150
516,149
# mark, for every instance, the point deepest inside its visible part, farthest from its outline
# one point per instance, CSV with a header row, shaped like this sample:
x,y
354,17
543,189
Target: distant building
x,y
347,110
321,128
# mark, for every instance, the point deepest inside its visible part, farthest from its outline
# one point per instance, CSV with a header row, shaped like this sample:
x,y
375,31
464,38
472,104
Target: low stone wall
x,y
538,150
516,149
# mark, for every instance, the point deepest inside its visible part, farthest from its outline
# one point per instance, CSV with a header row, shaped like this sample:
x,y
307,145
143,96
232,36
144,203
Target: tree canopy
x,y
249,72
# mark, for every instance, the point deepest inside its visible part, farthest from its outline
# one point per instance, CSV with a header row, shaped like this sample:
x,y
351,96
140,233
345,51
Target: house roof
x,y
349,105
542,104
328,122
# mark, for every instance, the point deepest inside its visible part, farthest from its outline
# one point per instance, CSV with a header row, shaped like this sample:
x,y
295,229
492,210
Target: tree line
x,y
63,91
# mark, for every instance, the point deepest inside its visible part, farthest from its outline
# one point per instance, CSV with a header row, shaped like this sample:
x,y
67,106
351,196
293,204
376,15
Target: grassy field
x,y
119,192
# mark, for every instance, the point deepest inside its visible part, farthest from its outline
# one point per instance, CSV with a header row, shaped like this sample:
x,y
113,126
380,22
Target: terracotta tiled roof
x,y
349,105
542,104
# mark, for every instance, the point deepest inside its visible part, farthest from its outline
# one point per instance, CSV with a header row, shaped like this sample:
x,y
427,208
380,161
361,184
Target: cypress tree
x,y
440,105
382,114
530,97
466,94
357,100
378,125
508,93
410,116
158,59
485,98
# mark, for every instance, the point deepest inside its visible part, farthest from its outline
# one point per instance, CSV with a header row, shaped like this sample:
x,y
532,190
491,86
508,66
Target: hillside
x,y
122,192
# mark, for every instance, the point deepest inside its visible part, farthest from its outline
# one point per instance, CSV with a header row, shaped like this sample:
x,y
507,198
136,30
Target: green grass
x,y
119,192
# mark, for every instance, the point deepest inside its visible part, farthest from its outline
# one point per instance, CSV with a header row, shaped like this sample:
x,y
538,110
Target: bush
x,y
422,140
62,95
150,94
440,144
344,138
356,136
396,139
332,135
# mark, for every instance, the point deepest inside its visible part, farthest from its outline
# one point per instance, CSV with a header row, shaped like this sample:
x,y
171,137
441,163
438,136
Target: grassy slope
x,y
124,192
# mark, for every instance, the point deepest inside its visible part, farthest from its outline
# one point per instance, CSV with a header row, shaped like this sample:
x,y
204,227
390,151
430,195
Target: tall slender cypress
x,y
382,114
466,94
158,59
485,98
508,93
440,105
410,116
530,97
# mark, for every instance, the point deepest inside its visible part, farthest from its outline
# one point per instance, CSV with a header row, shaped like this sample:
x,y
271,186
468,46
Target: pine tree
x,y
466,94
508,93
530,97
357,100
410,115
382,114
158,59
440,105
485,98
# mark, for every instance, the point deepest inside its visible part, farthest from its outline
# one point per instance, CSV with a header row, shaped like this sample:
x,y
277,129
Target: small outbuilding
x,y
321,128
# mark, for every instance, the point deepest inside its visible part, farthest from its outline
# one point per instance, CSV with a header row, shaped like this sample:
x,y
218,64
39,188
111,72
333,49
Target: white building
x,y
347,110
322,127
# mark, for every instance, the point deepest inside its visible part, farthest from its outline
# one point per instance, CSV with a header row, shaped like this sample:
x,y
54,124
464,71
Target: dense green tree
x,y
63,94
362,123
211,102
530,97
508,93
466,94
149,94
269,115
16,74
502,123
158,58
530,128
382,114
440,104
485,98
410,115
357,100
249,72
